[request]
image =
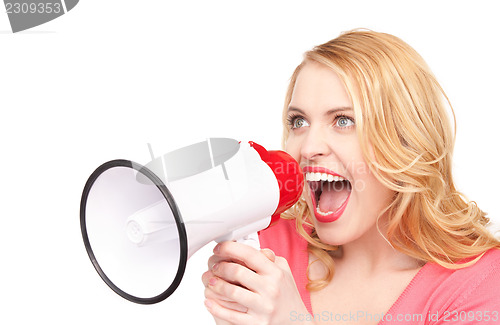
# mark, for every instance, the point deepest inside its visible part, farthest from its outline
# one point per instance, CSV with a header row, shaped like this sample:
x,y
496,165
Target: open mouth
x,y
330,193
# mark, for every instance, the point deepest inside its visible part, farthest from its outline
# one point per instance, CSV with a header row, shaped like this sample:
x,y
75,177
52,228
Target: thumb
x,y
269,254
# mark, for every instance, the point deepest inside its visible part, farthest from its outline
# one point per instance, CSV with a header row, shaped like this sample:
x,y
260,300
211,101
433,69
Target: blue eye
x,y
344,122
297,122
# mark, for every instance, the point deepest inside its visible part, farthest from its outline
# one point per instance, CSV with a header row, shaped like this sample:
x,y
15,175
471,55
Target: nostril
x,y
314,149
312,155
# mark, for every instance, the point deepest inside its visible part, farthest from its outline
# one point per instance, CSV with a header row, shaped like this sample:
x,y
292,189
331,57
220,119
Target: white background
x,y
111,76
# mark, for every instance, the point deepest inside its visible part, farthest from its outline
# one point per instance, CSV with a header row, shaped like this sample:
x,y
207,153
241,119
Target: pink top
x,y
435,295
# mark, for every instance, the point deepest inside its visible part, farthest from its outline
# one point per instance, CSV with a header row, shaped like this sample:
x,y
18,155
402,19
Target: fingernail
x,y
212,281
217,248
208,303
215,267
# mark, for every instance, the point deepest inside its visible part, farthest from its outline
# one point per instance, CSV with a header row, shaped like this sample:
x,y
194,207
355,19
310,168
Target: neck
x,y
372,253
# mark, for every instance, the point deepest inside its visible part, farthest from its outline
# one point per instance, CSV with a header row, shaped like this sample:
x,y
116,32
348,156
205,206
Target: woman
x,y
380,234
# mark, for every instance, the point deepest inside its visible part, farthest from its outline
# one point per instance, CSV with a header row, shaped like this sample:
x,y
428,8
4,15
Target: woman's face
x,y
344,197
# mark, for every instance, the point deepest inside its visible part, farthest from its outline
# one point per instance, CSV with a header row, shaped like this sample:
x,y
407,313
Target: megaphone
x,y
140,224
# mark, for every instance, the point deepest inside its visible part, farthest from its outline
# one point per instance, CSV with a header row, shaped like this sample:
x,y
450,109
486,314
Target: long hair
x,y
401,112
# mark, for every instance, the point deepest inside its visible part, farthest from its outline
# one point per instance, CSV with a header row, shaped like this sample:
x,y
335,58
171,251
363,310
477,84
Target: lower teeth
x,y
323,213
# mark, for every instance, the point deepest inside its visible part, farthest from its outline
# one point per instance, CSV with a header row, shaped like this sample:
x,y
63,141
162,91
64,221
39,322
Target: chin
x,y
331,234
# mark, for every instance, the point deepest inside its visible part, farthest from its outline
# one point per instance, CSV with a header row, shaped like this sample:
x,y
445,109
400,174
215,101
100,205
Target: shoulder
x,y
450,292
478,284
438,295
465,280
472,294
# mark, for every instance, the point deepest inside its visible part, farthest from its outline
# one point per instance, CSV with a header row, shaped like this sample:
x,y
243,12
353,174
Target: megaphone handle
x,y
251,240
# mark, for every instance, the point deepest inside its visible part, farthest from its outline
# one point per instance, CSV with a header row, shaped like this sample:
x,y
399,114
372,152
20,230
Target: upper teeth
x,y
315,177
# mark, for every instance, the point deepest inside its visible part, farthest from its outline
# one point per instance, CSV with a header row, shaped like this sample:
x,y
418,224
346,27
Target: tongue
x,y
334,195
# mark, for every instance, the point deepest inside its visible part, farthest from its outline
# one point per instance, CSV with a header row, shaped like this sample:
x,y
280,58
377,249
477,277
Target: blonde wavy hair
x,y
401,112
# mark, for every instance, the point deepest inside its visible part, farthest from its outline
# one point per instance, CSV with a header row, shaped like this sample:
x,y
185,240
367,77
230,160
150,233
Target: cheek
x,y
292,147
375,196
375,192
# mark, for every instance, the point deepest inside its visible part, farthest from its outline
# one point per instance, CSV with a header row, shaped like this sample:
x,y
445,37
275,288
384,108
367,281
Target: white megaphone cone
x,y
140,224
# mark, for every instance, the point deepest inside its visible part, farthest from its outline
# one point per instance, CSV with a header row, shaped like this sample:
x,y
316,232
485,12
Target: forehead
x,y
318,86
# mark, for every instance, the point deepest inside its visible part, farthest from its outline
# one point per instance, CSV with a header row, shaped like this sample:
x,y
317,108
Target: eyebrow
x,y
329,112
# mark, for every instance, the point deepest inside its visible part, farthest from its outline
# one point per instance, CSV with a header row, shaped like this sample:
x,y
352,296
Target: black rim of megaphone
x,y
178,220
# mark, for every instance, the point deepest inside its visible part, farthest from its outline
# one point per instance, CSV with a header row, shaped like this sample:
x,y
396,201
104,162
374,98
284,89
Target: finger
x,y
237,274
214,259
246,255
269,254
206,276
232,278
282,263
232,292
221,300
229,315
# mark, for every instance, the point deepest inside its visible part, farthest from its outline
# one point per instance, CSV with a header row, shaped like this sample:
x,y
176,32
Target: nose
x,y
315,145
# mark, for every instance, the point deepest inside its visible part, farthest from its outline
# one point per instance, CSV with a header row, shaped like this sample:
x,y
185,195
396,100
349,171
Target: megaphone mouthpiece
x,y
288,175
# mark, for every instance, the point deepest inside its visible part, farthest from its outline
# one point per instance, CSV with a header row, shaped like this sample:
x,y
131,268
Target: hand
x,y
221,300
248,286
